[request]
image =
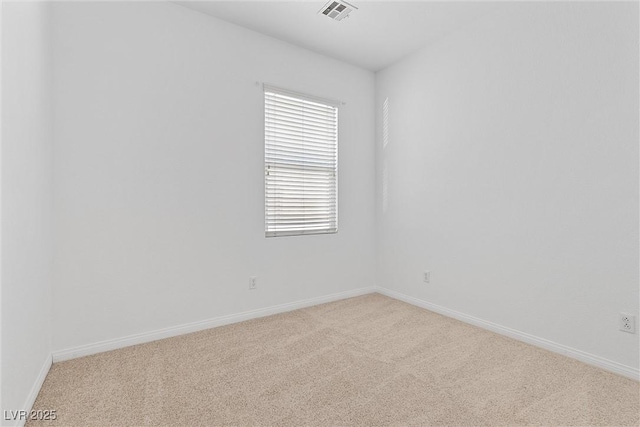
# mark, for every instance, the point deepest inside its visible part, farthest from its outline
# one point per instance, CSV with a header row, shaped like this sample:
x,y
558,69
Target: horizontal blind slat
x,y
275,134
291,119
308,147
298,113
274,98
291,152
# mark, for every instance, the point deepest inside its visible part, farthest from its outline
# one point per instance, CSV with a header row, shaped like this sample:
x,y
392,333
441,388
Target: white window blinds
x,y
301,164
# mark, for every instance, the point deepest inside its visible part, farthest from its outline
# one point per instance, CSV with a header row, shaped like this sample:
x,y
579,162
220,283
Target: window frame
x,y
271,143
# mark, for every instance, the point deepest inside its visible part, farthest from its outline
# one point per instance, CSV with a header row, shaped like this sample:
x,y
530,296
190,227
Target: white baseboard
x,y
35,389
102,346
113,344
591,359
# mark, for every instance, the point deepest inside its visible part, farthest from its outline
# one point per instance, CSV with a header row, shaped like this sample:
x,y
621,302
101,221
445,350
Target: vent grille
x,y
337,10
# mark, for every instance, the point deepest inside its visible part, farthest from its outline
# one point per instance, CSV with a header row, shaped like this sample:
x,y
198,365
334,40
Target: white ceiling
x,y
373,37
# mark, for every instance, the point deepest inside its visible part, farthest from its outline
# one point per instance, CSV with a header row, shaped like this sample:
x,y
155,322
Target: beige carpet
x,y
369,360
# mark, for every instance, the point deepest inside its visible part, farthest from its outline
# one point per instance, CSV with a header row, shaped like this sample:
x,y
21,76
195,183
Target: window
x,y
301,164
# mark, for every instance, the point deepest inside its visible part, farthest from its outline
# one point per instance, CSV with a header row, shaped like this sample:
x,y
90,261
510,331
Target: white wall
x,y
26,200
512,173
159,209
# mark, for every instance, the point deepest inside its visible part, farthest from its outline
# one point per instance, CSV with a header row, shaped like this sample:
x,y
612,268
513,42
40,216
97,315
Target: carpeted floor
x,y
369,360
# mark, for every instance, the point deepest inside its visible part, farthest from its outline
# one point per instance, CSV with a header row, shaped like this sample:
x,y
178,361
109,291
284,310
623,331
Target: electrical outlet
x,y
253,282
426,277
628,323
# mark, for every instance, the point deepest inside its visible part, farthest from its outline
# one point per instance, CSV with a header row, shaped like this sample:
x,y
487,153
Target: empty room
x,y
310,213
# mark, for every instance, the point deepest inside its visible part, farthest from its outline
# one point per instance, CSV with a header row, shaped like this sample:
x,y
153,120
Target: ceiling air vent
x,y
337,10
